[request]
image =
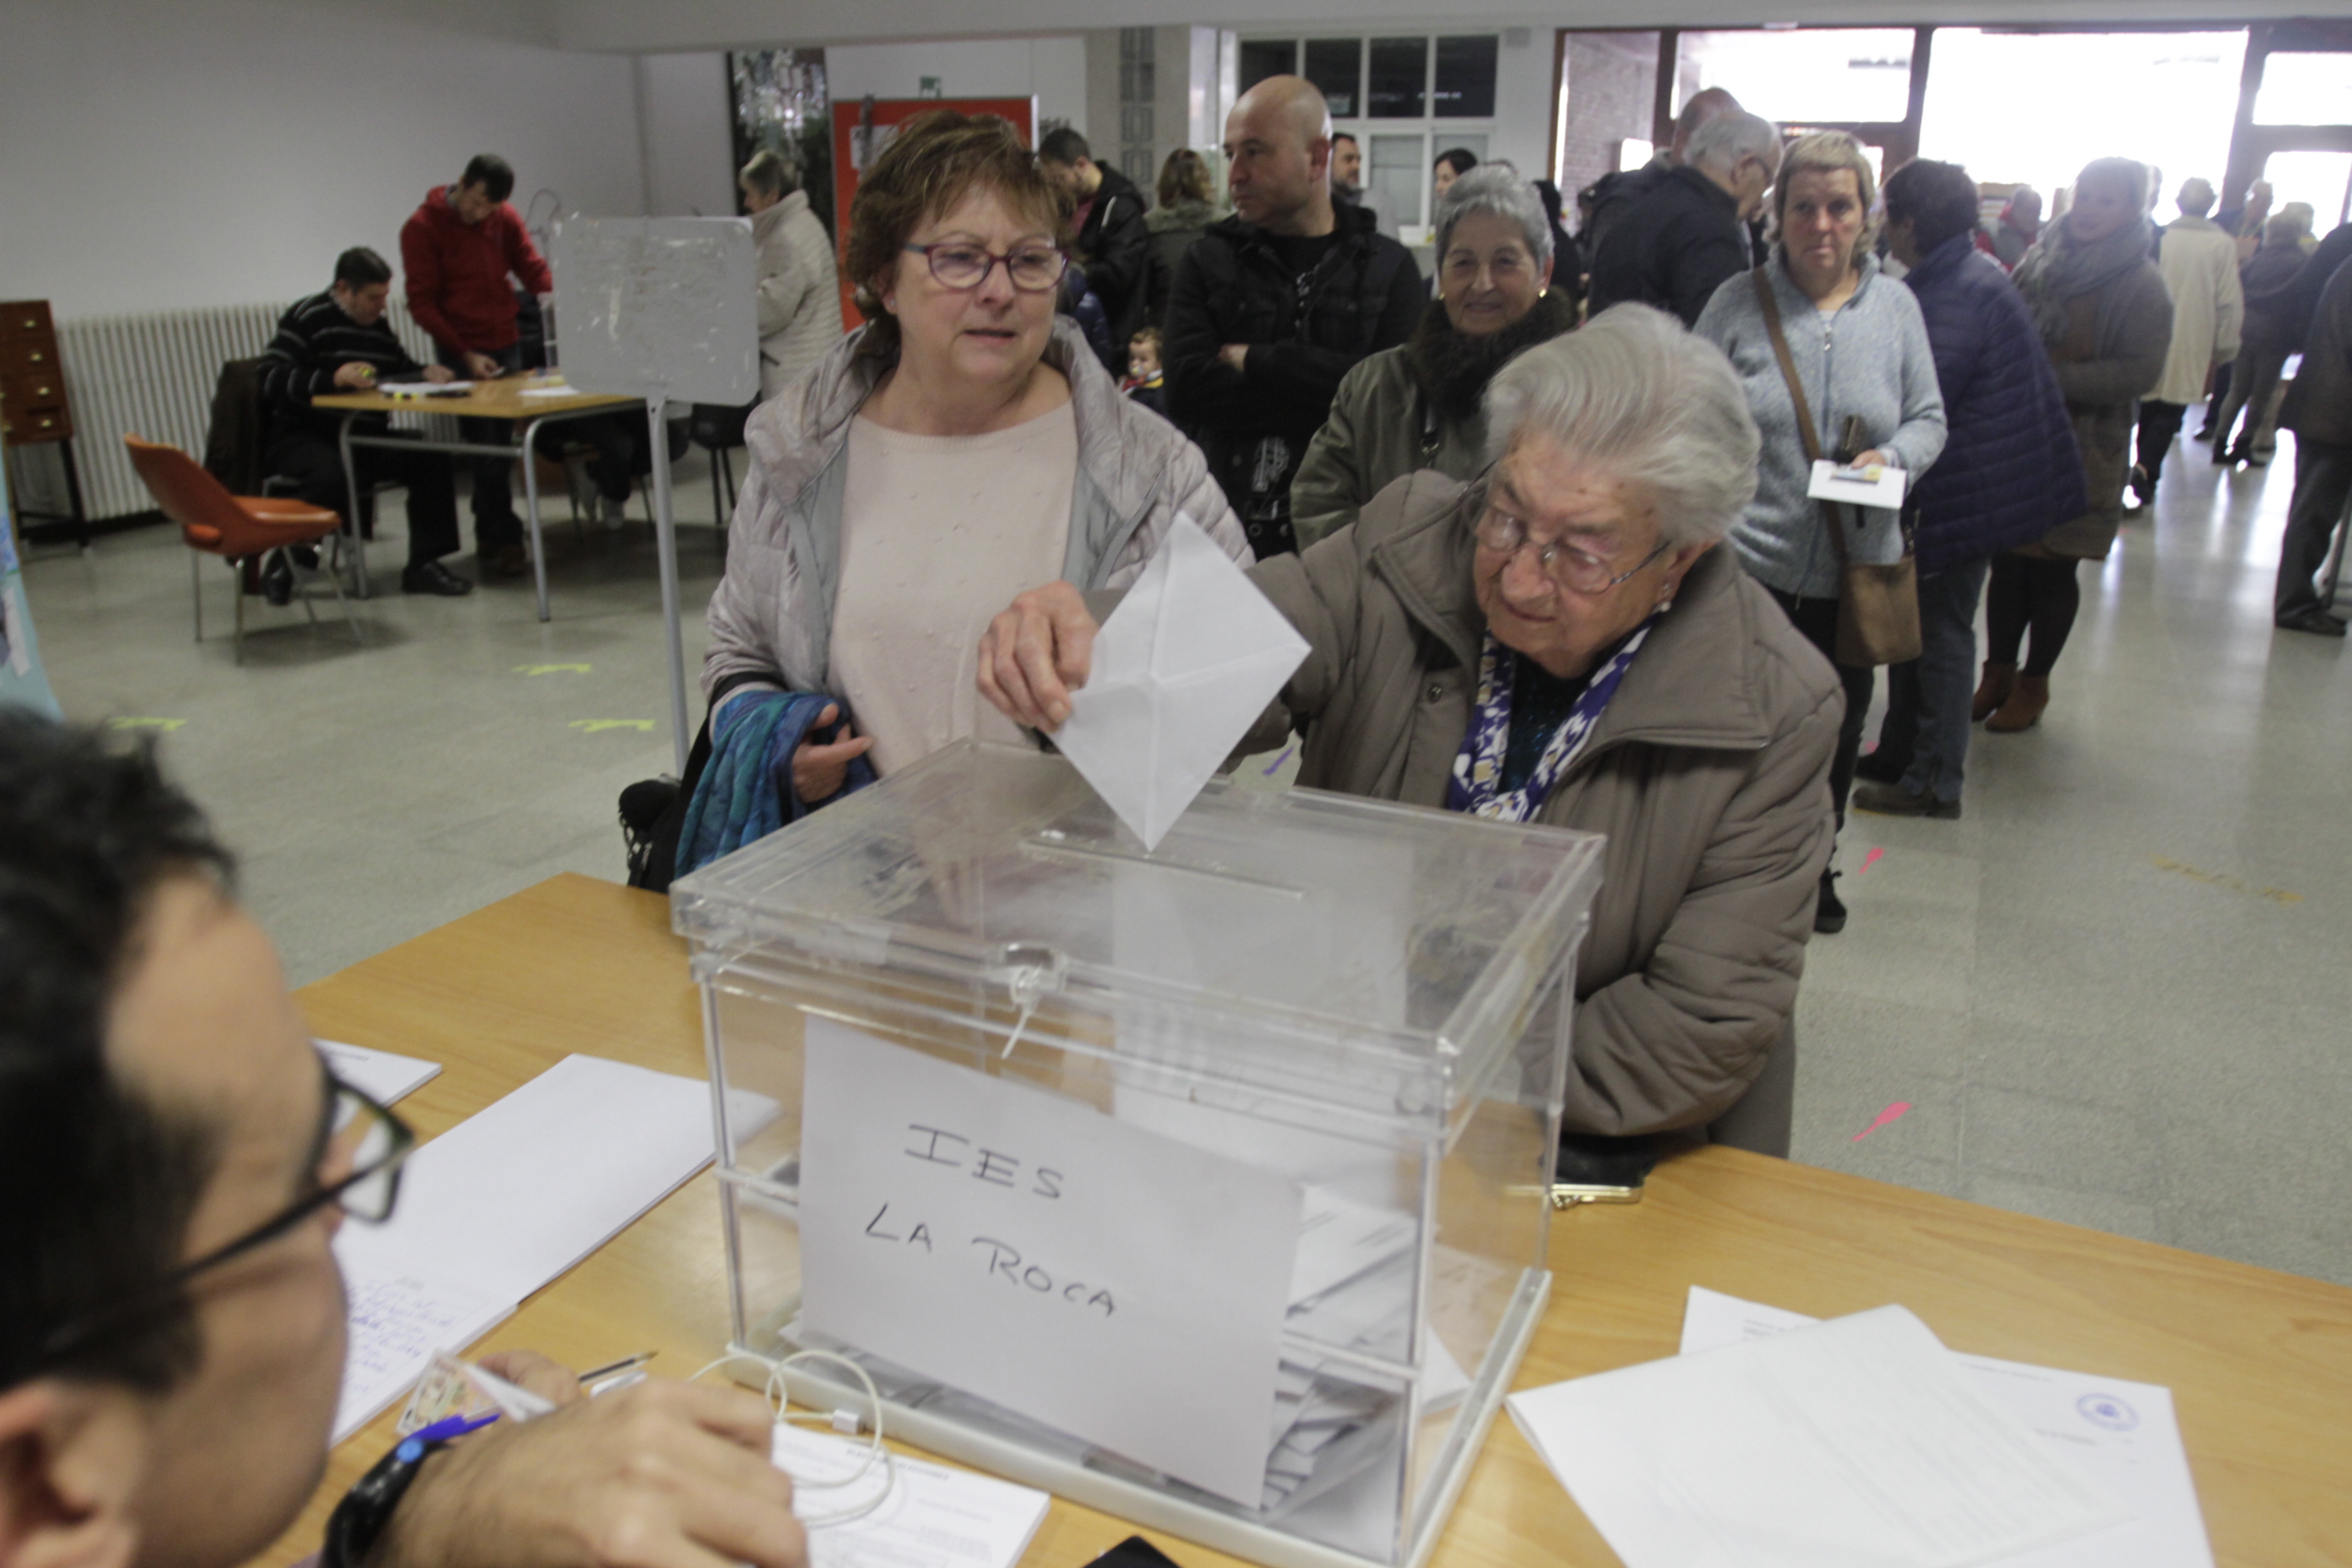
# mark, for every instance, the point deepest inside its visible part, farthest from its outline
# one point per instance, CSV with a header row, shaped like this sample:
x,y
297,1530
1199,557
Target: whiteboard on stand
x,y
658,306
662,308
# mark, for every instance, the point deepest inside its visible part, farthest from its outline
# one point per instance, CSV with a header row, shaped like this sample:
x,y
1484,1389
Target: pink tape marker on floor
x,y
1893,1112
1869,860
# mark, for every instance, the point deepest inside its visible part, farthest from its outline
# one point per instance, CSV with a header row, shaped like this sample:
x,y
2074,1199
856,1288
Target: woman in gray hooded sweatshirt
x,y
1861,353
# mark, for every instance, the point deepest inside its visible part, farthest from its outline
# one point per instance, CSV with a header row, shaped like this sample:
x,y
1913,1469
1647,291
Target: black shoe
x,y
278,579
1829,909
2315,620
1881,766
432,577
1893,800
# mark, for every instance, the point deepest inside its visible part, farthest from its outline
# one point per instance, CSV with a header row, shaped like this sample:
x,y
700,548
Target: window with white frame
x,y
1405,99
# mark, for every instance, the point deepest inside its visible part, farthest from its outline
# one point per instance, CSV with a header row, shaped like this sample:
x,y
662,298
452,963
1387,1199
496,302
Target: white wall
x,y
1054,69
182,153
684,105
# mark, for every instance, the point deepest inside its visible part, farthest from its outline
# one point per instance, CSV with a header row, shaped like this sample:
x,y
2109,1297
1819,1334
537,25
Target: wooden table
x,y
2260,1364
499,399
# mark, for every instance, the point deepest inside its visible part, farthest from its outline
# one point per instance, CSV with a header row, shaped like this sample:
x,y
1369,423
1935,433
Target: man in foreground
x,y
172,1172
1273,306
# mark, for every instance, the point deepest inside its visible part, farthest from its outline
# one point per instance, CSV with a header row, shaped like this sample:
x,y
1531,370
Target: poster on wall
x,y
22,684
862,130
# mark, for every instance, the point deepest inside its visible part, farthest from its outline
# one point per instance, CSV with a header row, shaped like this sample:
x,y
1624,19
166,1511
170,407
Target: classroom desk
x,y
501,399
2260,1364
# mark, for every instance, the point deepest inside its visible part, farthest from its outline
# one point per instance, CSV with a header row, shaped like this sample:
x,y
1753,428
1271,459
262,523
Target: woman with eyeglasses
x,y
1561,642
1417,406
960,446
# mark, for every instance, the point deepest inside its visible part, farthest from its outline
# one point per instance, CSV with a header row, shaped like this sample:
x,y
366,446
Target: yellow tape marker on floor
x,y
166,725
551,670
591,726
2219,880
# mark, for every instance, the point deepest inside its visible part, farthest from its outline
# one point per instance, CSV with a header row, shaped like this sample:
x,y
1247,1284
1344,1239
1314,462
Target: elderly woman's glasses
x,y
958,264
1563,562
355,1160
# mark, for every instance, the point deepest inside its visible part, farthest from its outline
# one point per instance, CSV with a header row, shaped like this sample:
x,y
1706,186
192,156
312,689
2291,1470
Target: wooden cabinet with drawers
x,y
34,408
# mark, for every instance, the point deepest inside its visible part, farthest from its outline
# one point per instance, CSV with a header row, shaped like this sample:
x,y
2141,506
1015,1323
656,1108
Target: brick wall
x,y
1611,81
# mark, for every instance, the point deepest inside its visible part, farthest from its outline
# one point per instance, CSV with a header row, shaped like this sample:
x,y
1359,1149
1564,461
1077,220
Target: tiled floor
x,y
2114,993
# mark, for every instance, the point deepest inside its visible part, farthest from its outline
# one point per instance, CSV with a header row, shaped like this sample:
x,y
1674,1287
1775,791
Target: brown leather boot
x,y
1999,680
2022,709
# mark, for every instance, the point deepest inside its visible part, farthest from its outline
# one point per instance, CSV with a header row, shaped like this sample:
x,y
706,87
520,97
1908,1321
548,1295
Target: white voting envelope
x,y
1876,484
1182,667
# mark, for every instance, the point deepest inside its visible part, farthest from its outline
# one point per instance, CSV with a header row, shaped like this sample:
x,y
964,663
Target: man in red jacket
x,y
460,247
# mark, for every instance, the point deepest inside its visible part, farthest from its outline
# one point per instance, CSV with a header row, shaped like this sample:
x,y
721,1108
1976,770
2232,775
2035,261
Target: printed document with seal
x,y
1857,1443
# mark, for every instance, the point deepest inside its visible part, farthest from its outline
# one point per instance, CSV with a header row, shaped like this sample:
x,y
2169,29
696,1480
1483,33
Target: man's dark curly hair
x,y
97,1184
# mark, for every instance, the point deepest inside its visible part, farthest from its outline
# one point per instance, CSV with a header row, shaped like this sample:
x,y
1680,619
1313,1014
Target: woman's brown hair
x,y
1184,177
933,162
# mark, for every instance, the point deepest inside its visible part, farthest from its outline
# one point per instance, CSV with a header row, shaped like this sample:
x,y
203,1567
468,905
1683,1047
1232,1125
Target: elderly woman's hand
x,y
1035,653
819,771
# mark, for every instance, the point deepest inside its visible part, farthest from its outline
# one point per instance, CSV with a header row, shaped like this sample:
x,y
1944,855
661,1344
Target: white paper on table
x,y
513,1196
396,1321
422,388
1857,1443
557,390
2123,1435
933,1518
1182,670
1876,485
383,1075
1120,1286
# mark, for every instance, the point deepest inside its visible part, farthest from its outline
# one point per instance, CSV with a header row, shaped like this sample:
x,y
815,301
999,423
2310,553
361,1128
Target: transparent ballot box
x,y
1206,1187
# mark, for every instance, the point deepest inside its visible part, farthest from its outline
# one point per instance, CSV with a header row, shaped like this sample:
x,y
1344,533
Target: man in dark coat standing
x,y
1274,305
1676,246
1612,196
2009,474
2318,409
1113,245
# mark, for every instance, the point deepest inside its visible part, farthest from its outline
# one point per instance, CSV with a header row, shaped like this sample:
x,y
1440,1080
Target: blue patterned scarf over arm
x,y
745,792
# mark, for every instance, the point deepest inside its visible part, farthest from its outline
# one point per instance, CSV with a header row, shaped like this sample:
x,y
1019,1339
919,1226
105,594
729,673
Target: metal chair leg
x,y
358,633
237,580
196,590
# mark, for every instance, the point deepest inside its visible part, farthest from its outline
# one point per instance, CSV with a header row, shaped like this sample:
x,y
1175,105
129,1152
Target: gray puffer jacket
x,y
1871,359
771,616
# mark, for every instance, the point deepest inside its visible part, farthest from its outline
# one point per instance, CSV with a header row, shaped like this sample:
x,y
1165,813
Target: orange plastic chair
x,y
237,529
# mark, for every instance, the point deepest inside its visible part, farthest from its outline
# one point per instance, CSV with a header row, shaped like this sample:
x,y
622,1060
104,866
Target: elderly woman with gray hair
x,y
1561,641
1417,406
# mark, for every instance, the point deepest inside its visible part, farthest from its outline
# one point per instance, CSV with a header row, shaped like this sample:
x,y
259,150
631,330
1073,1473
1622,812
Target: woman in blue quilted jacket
x,y
2009,474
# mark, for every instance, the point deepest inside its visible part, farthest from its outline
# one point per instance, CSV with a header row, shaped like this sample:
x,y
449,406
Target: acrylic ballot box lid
x,y
1404,947
1266,1116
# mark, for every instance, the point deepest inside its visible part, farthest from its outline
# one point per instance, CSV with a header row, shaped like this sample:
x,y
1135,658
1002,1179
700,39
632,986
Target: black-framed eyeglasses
x,y
1564,563
960,264
356,1154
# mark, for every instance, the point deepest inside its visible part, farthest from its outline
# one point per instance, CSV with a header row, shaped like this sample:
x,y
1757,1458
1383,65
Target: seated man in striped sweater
x,y
339,342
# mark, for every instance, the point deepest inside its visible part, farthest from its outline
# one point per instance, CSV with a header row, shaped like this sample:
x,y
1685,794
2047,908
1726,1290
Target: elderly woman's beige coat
x,y
1709,772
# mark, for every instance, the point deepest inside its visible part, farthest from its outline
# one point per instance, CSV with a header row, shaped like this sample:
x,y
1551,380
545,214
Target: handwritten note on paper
x,y
397,1321
1120,1286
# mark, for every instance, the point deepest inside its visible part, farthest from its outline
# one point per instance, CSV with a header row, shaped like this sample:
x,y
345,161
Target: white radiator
x,y
149,375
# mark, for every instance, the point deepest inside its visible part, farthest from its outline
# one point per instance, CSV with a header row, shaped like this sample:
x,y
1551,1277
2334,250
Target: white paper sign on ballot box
x,y
1117,1284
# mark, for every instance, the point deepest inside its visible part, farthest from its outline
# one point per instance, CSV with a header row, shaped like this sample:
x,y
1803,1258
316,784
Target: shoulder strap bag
x,y
1878,606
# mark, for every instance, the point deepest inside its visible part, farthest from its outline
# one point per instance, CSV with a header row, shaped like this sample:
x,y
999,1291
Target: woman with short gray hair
x,y
1560,641
799,288
1416,405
